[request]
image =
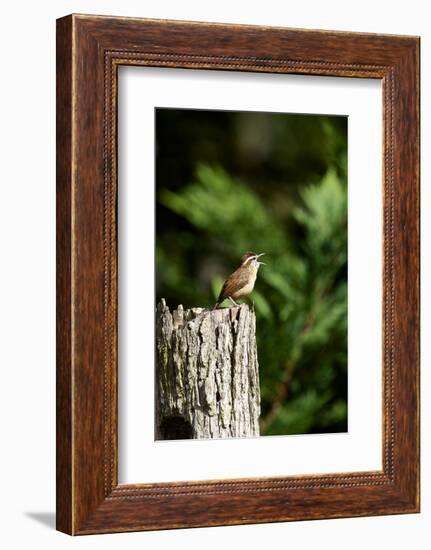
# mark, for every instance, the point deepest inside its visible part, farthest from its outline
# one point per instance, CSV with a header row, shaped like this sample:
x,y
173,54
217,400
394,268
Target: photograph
x,y
251,274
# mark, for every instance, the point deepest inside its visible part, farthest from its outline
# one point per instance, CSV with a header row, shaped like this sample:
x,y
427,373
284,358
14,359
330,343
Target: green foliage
x,y
216,204
300,295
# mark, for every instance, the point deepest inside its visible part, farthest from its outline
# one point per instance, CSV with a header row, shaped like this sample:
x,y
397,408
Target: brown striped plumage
x,y
241,282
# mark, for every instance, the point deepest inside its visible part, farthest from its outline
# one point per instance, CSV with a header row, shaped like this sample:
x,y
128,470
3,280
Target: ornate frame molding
x,y
89,498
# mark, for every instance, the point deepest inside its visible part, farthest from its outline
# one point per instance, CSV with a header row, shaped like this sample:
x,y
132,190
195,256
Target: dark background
x,y
232,182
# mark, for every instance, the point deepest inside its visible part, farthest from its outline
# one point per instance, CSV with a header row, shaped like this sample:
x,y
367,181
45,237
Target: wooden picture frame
x,y
89,51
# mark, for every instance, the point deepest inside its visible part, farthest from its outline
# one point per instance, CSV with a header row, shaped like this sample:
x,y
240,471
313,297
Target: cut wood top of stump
x,y
180,316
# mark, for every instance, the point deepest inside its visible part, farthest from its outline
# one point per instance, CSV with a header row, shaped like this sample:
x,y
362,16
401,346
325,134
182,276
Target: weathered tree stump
x,y
207,373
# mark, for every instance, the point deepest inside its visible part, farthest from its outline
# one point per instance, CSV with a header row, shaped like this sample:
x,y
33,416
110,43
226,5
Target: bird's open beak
x,y
258,256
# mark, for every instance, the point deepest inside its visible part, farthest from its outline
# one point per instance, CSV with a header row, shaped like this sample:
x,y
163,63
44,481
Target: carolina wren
x,y
241,283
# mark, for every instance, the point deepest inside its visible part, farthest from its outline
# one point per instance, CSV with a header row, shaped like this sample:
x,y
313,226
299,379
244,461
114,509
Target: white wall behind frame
x,y
143,460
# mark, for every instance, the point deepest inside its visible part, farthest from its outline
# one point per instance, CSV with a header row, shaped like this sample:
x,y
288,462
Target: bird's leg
x,y
233,301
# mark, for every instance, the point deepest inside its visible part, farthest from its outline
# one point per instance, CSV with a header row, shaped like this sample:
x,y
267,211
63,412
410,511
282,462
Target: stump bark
x,y
207,373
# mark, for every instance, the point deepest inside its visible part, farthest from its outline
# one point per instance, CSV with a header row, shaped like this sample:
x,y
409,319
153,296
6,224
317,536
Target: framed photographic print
x,y
237,274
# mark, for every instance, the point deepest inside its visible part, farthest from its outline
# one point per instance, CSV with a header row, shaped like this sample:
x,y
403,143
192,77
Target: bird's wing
x,y
234,282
